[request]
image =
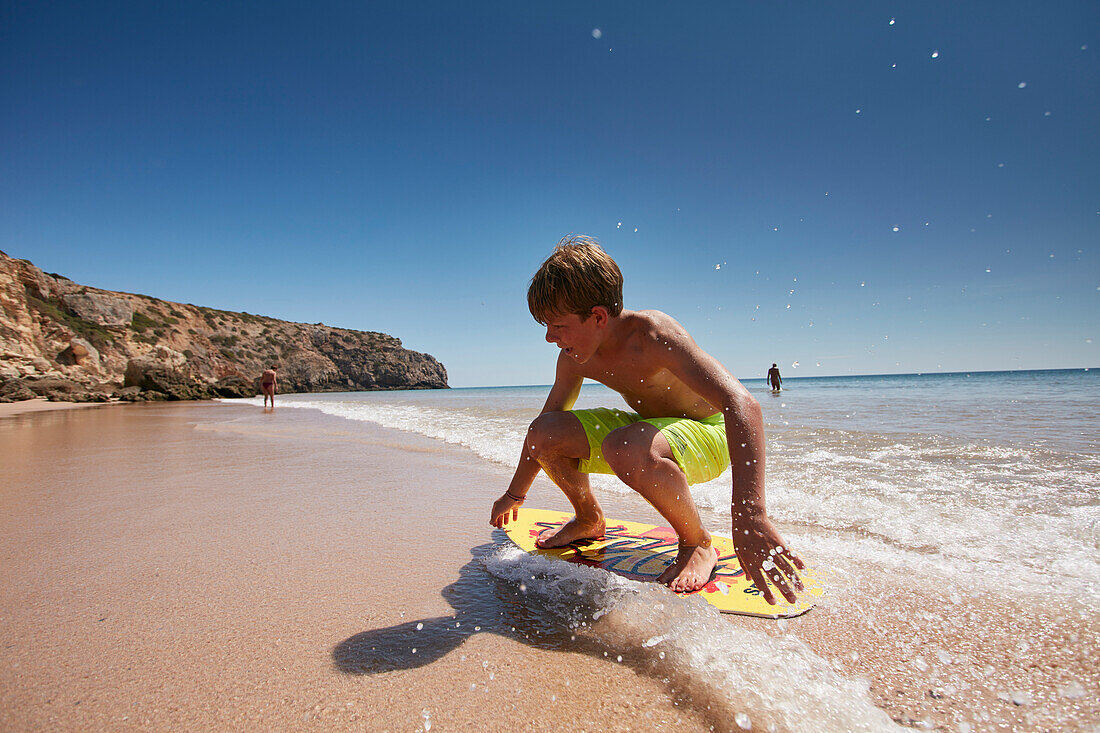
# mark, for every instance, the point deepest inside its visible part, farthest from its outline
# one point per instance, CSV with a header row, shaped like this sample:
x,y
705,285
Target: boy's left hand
x,y
762,551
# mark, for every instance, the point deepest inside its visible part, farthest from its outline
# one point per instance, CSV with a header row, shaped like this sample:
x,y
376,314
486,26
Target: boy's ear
x,y
601,314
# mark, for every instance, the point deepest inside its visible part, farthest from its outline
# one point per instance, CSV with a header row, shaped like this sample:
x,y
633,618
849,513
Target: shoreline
x,y
41,404
199,564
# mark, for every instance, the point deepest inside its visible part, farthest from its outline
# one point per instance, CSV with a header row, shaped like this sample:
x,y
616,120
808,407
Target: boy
x,y
687,410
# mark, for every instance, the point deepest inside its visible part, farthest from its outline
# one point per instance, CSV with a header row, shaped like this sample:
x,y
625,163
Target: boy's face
x,y
578,337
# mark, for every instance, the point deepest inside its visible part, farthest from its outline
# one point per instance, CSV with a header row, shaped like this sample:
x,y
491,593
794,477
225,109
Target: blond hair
x,y
578,276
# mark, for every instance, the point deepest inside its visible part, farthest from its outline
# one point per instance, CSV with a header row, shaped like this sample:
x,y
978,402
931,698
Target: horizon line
x,y
834,376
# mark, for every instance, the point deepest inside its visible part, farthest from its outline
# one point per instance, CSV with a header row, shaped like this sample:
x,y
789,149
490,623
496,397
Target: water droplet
x,y
742,721
420,626
935,54
794,364
1021,697
597,33
897,229
1021,85
1072,691
891,21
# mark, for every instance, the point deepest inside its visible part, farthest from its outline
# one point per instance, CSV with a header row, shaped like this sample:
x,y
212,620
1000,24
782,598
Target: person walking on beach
x,y
774,379
268,383
690,415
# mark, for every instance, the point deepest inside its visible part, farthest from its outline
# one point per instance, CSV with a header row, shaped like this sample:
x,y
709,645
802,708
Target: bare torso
x,y
630,364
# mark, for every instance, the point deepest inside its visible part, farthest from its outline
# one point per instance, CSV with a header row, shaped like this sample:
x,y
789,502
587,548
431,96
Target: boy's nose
x,y
550,338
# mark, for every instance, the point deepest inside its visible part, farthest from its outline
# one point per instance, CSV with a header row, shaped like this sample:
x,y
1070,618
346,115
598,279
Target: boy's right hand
x,y
501,508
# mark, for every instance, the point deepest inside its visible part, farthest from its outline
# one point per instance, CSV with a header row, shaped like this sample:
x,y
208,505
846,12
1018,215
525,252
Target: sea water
x,y
996,468
992,478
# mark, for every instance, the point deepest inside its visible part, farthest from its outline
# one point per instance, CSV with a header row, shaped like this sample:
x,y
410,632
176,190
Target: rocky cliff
x,y
74,342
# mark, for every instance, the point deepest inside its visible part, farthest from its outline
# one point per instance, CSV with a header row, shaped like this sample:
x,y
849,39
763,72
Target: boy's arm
x,y
760,549
563,395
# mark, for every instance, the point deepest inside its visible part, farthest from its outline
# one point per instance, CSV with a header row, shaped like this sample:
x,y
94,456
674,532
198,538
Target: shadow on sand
x,y
482,604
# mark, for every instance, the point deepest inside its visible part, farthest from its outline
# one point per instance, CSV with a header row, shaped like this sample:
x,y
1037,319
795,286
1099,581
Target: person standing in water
x,y
687,416
774,379
267,384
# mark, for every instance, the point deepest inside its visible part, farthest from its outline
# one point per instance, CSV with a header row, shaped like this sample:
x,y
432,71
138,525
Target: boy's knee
x,y
547,431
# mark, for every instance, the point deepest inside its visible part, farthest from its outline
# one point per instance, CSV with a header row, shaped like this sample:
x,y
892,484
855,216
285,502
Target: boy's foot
x,y
571,531
691,570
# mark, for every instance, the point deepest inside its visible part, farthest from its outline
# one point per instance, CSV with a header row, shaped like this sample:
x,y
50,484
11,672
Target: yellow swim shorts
x,y
699,446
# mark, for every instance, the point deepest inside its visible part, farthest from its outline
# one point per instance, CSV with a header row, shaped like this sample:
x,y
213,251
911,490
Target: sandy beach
x,y
169,567
11,409
163,576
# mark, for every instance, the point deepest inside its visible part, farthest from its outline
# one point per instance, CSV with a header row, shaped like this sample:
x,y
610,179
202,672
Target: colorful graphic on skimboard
x,y
642,551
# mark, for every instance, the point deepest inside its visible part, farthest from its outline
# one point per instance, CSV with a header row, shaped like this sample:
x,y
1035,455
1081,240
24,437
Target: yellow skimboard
x,y
642,552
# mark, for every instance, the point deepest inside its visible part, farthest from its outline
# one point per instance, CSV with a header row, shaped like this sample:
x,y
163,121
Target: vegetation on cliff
x,y
70,341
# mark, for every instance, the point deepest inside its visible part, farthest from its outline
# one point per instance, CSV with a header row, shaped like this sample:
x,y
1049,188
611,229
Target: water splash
x,y
777,683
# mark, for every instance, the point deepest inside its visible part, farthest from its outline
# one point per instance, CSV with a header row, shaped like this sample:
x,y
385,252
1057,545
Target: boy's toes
x,y
679,581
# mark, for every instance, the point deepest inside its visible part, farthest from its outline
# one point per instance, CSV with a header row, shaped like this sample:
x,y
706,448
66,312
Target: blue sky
x,y
924,176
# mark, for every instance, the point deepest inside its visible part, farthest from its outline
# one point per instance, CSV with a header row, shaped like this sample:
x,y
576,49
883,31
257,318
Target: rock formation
x,y
73,342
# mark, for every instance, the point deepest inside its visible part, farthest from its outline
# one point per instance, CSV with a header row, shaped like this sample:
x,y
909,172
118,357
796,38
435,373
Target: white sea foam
x,y
978,499
726,671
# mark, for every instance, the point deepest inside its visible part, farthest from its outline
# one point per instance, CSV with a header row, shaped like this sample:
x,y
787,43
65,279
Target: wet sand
x,y
167,569
41,404
159,575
